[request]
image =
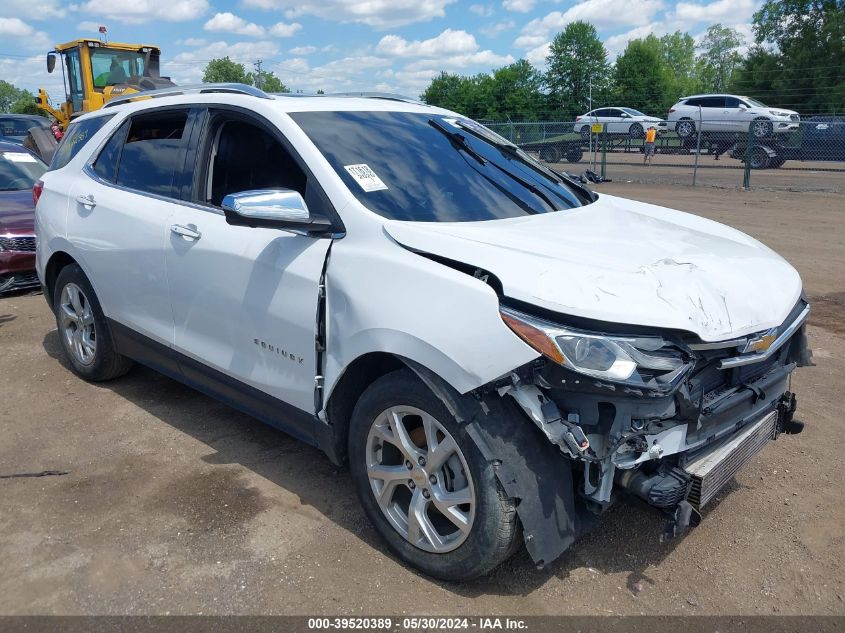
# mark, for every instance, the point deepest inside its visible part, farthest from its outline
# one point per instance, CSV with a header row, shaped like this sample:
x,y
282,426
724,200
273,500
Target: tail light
x,y
37,188
577,119
670,110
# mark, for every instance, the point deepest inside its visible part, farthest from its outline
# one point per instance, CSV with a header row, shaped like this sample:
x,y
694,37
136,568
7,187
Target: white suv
x,y
729,113
495,351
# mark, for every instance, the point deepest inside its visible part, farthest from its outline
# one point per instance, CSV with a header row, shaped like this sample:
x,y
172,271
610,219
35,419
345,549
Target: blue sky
x,y
341,45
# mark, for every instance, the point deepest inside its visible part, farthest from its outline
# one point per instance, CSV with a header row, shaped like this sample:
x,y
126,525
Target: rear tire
x,y
549,154
574,154
585,132
378,446
83,330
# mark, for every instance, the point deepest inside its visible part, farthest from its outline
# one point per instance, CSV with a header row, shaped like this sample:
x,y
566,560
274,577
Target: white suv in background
x,y
497,352
729,113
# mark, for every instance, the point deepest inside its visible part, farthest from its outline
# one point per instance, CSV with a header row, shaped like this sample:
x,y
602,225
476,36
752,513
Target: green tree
x,y
9,96
577,67
453,92
642,76
515,93
224,70
798,60
678,50
719,57
268,82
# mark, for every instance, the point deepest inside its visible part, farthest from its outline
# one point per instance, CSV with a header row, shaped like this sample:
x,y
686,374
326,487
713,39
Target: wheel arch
x,y
58,260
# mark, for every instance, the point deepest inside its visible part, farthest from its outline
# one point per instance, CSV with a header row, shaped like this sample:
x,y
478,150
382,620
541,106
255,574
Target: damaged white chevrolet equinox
x,y
498,353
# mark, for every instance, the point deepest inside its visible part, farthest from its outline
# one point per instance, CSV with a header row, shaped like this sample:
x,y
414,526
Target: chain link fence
x,y
797,155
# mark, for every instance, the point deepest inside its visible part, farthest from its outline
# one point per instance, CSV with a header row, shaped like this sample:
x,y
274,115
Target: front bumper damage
x,y
673,449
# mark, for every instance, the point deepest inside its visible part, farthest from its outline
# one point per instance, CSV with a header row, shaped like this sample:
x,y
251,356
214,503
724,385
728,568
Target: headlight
x,y
641,361
778,113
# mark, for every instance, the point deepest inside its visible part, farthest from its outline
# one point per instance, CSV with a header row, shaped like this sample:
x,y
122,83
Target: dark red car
x,y
19,170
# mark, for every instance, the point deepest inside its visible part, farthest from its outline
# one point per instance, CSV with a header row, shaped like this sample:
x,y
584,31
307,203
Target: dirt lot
x,y
173,503
727,172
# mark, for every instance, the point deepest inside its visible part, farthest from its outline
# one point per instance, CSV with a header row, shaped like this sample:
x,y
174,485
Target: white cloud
x,y
280,29
35,9
492,30
484,10
231,23
29,74
483,60
303,50
537,56
724,11
381,14
519,6
140,11
88,27
449,42
193,41
188,67
600,13
23,34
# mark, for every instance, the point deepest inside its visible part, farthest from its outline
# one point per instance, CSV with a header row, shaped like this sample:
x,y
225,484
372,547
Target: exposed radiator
x,y
714,468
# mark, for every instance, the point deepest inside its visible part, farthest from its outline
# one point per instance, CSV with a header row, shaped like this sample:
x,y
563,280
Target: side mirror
x,y
742,106
273,208
51,62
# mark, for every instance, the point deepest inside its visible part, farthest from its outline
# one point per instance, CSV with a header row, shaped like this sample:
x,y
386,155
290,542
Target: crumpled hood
x,y
625,262
17,213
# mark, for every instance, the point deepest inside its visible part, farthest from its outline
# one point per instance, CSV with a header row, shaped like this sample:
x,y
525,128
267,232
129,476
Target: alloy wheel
x,y
77,324
420,479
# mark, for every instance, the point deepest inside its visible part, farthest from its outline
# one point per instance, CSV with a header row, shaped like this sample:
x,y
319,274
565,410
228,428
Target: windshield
x,y
111,67
431,168
633,112
19,170
755,103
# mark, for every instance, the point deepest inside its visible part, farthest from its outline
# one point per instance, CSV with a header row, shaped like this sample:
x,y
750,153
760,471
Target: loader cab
x,y
95,72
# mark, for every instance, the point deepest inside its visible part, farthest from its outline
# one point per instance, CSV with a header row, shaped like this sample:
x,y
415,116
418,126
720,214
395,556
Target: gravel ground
x,y
727,172
173,503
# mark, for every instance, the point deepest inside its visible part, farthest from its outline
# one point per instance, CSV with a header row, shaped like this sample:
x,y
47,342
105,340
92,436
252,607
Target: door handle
x,y
185,231
86,200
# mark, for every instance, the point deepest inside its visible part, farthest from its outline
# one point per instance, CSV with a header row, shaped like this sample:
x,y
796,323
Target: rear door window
x,y
713,102
77,135
107,162
153,153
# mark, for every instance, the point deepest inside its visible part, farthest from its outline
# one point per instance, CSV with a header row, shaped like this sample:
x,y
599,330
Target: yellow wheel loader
x,y
95,72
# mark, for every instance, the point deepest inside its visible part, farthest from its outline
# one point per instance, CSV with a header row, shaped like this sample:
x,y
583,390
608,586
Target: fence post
x,y
746,177
604,152
697,148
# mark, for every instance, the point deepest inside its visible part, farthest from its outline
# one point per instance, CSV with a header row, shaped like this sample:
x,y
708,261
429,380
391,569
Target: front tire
x,y
424,483
84,333
685,128
636,130
761,128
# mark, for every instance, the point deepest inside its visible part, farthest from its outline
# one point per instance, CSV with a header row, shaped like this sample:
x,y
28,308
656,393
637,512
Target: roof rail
x,y
375,95
193,89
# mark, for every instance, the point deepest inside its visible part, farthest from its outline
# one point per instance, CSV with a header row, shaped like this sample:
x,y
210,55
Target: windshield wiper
x,y
514,151
458,141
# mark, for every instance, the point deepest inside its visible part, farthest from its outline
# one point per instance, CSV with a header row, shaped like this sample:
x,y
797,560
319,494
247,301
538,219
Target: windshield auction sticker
x,y
365,177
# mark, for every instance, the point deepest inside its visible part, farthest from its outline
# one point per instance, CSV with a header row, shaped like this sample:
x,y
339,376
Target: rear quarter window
x,y
76,137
